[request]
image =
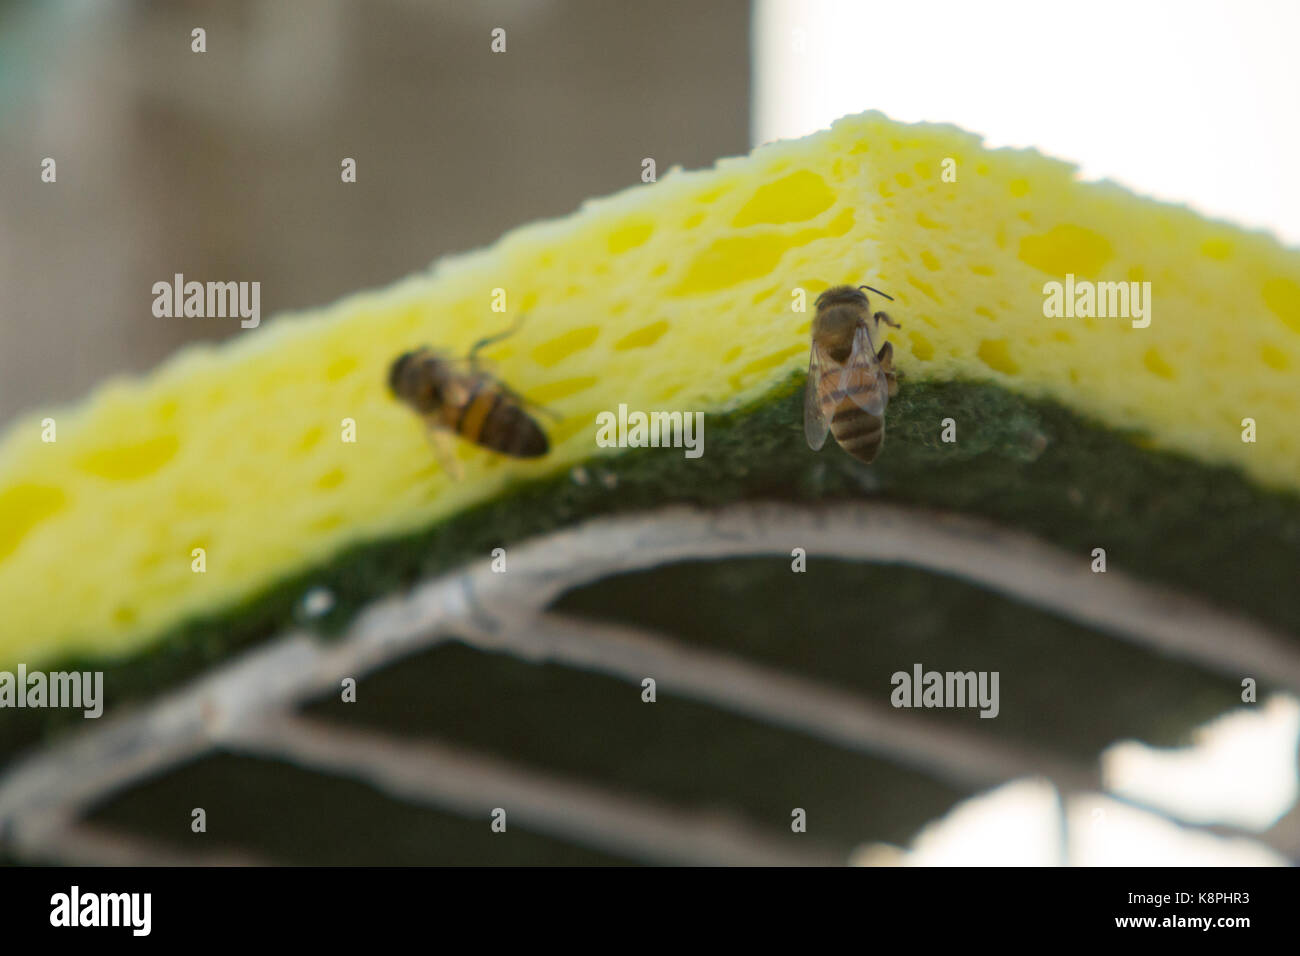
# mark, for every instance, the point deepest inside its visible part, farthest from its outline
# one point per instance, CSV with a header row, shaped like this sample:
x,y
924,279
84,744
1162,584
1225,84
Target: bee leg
x,y
489,340
549,412
506,389
886,358
884,317
444,450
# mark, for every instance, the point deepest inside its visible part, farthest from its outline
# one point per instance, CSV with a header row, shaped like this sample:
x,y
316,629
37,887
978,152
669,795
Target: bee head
x,y
842,295
847,295
397,371
419,372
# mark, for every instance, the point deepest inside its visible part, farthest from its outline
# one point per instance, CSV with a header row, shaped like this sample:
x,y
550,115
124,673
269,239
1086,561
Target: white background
x,y
1192,101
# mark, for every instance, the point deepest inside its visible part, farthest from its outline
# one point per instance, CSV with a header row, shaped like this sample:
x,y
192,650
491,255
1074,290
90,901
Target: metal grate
x,y
249,706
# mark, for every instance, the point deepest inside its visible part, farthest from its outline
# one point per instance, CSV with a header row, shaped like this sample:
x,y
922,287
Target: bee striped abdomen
x,y
856,430
512,431
859,433
493,419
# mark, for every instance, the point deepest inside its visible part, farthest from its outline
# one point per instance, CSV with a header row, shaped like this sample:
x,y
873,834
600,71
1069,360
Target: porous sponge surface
x,y
677,295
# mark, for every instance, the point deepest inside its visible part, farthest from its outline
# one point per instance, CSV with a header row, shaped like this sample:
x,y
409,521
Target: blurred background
x,y
227,164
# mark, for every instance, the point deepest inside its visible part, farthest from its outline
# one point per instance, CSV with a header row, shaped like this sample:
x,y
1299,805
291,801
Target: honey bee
x,y
456,396
849,382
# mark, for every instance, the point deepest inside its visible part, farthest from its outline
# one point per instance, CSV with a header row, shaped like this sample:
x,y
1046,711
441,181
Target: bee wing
x,y
444,448
861,379
815,425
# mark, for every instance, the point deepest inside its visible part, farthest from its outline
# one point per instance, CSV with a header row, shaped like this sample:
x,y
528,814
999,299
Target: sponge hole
x,y
1274,358
331,479
643,337
570,343
1155,363
922,348
996,355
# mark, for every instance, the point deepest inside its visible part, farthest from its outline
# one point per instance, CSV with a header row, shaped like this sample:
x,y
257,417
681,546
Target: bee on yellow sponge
x,y
849,382
456,396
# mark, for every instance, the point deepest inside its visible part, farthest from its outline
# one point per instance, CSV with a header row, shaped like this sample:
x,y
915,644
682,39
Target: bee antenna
x,y
877,292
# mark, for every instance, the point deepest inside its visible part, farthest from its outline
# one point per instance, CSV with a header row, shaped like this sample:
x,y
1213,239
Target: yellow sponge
x,y
678,295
